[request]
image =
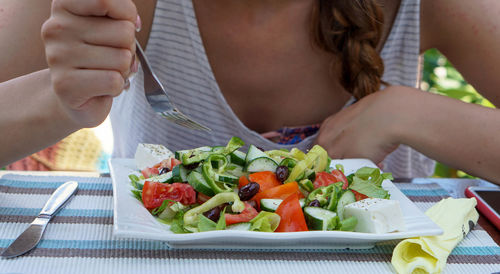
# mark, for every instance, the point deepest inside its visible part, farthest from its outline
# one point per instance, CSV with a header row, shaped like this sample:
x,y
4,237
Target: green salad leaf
x,y
265,222
221,224
137,194
368,181
177,224
162,207
205,224
348,224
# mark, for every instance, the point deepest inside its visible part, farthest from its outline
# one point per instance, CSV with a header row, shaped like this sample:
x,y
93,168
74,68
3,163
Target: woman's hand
x,y
90,48
371,127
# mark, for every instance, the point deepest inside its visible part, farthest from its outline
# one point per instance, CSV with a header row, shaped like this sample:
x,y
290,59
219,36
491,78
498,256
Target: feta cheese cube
x,y
148,155
376,215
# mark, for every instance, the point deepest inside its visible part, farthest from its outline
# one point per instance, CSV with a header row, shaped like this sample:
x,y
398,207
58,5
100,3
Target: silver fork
x,y
158,98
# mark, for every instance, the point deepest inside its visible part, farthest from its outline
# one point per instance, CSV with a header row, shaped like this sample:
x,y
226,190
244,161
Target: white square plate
x,y
132,220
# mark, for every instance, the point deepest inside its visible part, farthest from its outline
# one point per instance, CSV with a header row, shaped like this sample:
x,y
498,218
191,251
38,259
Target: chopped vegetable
x,y
278,192
154,193
223,188
292,217
246,215
219,199
266,179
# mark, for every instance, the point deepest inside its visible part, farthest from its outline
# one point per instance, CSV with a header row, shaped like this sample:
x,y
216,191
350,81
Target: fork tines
x,y
182,120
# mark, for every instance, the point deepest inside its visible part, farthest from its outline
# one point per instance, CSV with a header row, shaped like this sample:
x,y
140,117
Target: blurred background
x,y
89,149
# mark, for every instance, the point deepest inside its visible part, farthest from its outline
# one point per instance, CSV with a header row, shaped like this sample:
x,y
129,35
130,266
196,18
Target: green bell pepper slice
x,y
191,216
209,173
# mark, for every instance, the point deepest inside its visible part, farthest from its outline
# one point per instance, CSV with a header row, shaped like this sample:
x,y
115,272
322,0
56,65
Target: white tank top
x,y
178,57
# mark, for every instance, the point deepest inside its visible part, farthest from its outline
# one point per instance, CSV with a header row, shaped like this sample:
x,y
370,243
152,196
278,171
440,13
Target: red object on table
x,y
484,208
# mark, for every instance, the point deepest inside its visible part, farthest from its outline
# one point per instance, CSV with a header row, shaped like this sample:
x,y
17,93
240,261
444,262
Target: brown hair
x,y
351,30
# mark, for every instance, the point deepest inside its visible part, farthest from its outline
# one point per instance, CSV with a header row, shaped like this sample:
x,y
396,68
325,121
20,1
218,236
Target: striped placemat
x,y
79,240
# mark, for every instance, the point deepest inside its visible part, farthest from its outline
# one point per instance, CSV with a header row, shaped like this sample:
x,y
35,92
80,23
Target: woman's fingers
x,y
84,56
115,9
90,48
118,33
72,86
360,131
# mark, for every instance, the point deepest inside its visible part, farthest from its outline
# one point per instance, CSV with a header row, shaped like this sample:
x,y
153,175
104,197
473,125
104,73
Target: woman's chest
x,y
266,63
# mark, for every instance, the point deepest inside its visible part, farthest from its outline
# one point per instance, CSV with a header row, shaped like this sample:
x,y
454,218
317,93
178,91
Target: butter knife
x,y
32,235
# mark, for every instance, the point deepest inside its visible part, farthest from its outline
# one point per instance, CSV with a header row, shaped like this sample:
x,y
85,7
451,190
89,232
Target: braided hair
x,y
351,30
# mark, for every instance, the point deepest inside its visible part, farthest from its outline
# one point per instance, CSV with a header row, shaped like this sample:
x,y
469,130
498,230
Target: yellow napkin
x,y
428,254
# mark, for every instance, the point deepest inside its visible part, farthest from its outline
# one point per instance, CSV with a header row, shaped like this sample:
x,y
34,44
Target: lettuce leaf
x,y
177,225
372,175
205,224
221,224
368,188
265,222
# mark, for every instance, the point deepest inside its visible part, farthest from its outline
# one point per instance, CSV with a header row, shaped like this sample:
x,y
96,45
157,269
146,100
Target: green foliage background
x,y
439,76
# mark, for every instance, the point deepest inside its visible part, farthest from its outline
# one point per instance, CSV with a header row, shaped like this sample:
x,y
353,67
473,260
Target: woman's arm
x,y
30,117
21,49
468,34
459,134
89,47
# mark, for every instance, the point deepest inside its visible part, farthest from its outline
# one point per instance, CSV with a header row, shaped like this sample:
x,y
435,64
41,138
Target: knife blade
x,y
32,235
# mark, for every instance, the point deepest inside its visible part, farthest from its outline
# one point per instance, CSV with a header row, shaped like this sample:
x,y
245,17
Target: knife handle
x,y
59,197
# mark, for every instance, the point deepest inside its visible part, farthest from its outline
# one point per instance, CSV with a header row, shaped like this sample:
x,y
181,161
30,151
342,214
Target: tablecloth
x,y
79,239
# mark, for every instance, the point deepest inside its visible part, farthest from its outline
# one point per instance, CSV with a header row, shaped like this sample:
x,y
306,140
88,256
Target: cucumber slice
x,y
272,204
179,173
196,180
239,226
226,178
235,170
318,218
262,164
345,199
238,158
165,178
254,153
179,153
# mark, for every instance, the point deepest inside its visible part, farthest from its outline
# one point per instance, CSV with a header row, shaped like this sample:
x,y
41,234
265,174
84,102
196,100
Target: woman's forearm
x,y
462,135
31,117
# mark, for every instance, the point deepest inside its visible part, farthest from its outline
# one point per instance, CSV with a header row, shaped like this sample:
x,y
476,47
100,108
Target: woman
x,y
249,67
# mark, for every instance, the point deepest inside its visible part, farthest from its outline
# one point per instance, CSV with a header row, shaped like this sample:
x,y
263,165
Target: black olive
x,y
247,192
282,173
314,203
213,214
163,170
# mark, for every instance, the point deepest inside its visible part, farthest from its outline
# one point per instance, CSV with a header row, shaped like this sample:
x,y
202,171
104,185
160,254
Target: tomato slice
x,y
292,217
149,172
245,216
266,179
324,178
169,163
154,193
278,192
359,196
243,181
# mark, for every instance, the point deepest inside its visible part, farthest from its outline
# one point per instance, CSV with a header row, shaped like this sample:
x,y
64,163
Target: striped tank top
x,y
177,55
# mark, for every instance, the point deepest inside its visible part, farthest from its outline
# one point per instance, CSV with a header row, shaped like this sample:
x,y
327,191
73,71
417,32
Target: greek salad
x,y
224,188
